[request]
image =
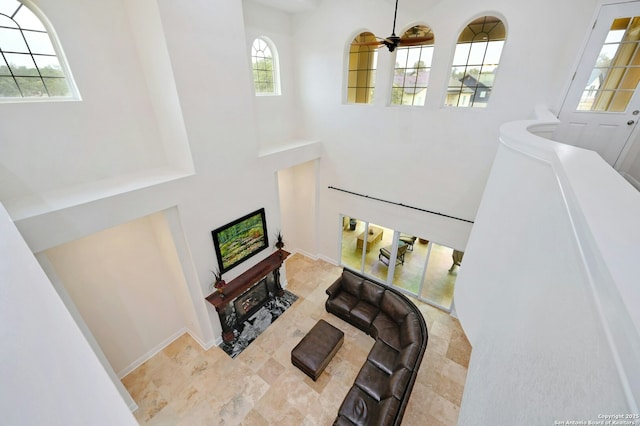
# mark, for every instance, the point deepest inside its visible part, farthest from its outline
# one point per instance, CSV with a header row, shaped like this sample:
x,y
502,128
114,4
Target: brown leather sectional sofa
x,y
381,391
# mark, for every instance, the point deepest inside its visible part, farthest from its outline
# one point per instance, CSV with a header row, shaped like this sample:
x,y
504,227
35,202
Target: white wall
x,y
539,353
216,103
421,157
298,203
50,375
277,119
544,294
430,157
434,158
128,287
112,132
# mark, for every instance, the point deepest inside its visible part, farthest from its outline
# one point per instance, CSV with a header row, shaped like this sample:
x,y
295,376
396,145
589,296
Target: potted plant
x,y
219,283
279,242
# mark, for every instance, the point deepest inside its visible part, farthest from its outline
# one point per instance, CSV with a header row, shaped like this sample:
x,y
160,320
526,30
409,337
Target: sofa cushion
x,y
386,329
363,314
342,303
410,330
342,421
371,293
398,382
351,283
373,381
384,356
394,306
387,411
361,409
408,356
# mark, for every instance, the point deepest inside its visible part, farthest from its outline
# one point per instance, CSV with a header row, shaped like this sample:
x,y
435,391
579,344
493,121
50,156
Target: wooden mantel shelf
x,y
247,279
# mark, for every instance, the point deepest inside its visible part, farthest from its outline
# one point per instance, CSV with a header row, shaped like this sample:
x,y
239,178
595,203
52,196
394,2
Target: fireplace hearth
x,y
247,331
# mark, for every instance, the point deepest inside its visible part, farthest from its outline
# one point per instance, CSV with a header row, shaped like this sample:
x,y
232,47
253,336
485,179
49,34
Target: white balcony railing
x,y
549,295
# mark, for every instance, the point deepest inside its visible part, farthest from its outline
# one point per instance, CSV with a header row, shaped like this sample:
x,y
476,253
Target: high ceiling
x,y
291,6
294,6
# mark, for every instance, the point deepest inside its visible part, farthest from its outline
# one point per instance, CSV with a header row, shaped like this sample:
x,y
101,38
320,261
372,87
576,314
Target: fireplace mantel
x,y
267,268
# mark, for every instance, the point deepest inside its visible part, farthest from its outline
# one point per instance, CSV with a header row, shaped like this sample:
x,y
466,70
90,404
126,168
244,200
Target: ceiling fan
x,y
393,41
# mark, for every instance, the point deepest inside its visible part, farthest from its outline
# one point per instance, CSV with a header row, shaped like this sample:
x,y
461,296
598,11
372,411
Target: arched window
x,y
363,57
413,65
31,65
264,62
475,62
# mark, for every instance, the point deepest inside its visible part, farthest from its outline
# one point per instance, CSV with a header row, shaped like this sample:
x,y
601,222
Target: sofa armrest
x,y
334,288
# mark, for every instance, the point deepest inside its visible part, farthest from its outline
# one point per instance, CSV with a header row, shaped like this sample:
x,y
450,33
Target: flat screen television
x,y
237,241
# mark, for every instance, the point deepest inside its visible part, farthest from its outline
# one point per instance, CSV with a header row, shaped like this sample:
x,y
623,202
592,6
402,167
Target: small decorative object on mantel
x,y
279,243
219,283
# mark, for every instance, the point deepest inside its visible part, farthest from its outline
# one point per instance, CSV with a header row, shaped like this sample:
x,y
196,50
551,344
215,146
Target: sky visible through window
x,y
29,65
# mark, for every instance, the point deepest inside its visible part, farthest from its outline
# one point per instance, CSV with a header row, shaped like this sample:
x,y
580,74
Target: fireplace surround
x,y
239,299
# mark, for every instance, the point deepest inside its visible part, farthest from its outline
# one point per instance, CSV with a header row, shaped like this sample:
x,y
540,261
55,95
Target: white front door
x,y
602,107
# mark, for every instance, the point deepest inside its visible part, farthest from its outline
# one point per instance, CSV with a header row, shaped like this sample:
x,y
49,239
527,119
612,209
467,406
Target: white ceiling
x,y
291,6
294,6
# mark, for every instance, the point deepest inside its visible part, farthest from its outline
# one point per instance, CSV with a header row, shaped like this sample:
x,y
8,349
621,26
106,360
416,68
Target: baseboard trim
x,y
204,345
328,260
305,254
142,359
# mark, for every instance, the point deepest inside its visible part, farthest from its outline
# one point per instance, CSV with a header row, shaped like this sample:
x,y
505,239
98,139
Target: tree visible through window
x,y
413,64
29,64
475,62
616,73
265,77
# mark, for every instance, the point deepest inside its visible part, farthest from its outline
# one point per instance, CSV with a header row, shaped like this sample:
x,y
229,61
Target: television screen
x,y
237,241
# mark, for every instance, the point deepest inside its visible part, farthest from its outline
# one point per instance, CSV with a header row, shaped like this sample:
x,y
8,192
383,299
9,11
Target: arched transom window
x,y
475,62
265,67
363,57
30,64
413,65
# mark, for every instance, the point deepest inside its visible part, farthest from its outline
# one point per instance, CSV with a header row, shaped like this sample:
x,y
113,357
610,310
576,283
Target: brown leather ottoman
x,y
315,350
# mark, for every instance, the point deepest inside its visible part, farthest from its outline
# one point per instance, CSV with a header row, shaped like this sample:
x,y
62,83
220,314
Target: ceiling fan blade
x,y
368,43
414,40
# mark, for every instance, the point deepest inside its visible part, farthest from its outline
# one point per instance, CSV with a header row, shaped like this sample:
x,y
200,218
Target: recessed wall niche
x,y
127,284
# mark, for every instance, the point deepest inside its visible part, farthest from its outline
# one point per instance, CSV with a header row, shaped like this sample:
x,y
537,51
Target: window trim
x,y
277,87
429,68
453,52
346,70
60,56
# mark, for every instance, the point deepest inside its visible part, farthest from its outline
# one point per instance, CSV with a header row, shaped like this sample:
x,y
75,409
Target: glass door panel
x,y
440,276
351,256
377,238
410,263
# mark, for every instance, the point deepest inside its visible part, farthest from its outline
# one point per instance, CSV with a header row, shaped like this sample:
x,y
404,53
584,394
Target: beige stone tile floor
x,y
186,385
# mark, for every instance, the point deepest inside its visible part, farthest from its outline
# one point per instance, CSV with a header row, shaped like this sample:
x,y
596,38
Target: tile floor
x,y
186,385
